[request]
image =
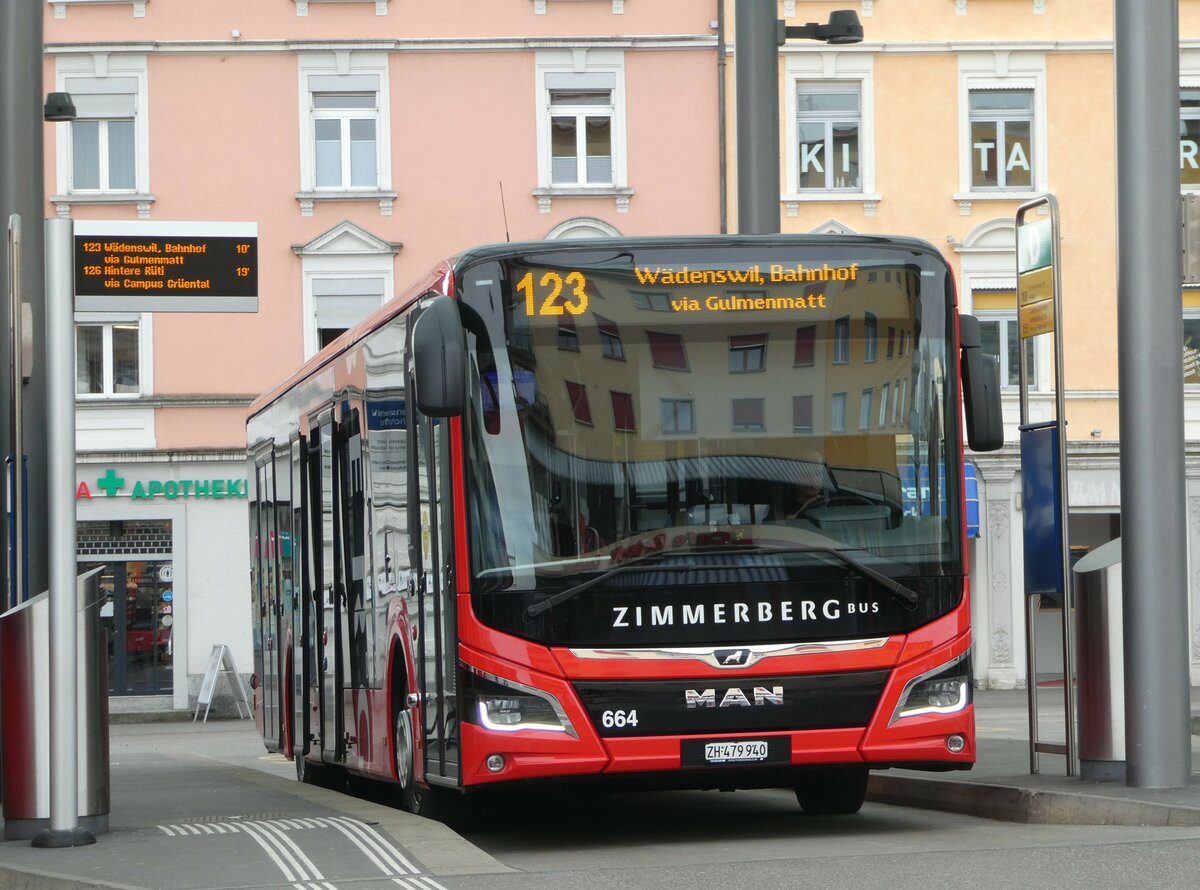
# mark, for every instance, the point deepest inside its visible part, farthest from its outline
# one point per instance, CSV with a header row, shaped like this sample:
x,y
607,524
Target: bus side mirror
x,y
981,389
439,359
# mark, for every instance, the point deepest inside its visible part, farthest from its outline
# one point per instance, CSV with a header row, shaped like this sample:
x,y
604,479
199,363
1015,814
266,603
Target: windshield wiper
x,y
573,591
905,594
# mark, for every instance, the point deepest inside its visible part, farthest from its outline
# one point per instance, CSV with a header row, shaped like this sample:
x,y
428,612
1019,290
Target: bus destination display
x,y
184,272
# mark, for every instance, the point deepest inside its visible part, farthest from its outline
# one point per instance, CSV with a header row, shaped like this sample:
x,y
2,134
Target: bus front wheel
x,y
404,751
834,791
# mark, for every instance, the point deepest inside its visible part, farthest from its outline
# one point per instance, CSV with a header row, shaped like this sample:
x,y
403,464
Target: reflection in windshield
x,y
623,405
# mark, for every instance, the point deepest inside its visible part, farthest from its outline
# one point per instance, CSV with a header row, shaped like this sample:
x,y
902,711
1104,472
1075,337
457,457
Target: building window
x,y
577,393
1001,139
871,336
802,414
900,391
345,146
667,351
108,359
837,412
651,301
1000,335
568,336
806,346
828,121
341,303
749,415
581,127
748,353
346,151
883,406
104,150
610,339
678,415
841,340
891,341
624,420
864,409
581,137
1189,138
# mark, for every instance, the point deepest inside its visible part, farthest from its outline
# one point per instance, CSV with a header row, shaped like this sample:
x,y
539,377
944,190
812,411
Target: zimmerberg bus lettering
x,y
738,613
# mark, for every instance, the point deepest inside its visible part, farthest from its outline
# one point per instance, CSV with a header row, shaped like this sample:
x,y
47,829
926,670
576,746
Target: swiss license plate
x,y
771,751
735,752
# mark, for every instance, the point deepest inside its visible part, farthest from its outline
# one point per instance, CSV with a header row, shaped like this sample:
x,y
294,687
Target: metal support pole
x,y
16,412
1150,347
64,830
22,191
756,65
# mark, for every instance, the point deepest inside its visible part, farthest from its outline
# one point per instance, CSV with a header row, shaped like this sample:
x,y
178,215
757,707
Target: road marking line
x,y
389,860
279,853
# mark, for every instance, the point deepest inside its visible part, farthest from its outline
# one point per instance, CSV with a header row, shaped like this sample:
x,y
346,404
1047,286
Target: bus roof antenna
x,y
504,210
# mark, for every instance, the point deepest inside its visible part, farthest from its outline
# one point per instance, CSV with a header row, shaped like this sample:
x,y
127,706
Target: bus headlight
x,y
944,690
502,705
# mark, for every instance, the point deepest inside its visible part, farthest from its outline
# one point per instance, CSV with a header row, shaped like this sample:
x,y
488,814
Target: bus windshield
x,y
653,400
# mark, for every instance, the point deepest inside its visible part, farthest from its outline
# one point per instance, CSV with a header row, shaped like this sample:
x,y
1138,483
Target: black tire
x,y
306,772
403,752
834,791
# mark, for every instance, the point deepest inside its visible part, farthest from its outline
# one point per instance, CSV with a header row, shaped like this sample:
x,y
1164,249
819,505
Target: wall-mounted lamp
x,y
1097,433
59,107
843,27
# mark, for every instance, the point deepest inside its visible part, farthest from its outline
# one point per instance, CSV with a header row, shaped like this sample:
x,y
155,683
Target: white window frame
x,y
1004,145
343,71
1001,71
864,409
346,251
96,74
106,320
827,119
1005,318
837,412
832,68
584,66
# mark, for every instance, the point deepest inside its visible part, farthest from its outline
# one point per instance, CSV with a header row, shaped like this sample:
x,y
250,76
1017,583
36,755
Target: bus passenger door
x,y
267,644
436,655
302,579
326,541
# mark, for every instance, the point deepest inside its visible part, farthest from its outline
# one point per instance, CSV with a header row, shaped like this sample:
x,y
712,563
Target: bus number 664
x,y
618,719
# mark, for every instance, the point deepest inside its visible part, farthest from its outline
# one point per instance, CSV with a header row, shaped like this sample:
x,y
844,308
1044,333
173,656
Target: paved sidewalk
x,y
191,802
1002,787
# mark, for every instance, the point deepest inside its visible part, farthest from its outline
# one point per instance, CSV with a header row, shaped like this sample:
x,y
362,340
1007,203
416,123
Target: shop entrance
x,y
140,625
138,610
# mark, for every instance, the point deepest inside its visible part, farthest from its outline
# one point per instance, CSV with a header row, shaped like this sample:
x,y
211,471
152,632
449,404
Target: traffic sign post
x,y
1044,466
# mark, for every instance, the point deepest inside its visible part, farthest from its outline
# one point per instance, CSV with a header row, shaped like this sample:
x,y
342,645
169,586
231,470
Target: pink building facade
x,y
364,140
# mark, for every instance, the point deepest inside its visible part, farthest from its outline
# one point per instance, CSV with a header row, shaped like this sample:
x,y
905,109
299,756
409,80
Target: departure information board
x,y
166,267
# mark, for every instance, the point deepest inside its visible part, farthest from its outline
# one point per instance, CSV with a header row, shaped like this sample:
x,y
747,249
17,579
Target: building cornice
x,y
410,45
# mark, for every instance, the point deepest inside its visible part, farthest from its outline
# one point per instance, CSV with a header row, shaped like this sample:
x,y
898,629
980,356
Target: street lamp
x,y
759,36
843,27
58,107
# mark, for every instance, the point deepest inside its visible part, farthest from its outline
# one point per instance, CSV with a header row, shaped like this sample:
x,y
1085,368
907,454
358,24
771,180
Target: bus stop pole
x,y
756,91
1150,354
64,830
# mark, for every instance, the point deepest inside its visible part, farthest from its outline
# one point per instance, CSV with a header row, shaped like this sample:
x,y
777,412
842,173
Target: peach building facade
x,y
365,141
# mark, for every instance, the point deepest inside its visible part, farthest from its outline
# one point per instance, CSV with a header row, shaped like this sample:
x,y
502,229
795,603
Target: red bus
x,y
673,512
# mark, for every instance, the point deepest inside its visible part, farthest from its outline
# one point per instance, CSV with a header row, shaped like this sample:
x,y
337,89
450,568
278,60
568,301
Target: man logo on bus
x,y
733,698
732,657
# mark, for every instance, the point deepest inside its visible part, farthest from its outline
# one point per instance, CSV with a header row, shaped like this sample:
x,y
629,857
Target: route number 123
x,y
556,292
